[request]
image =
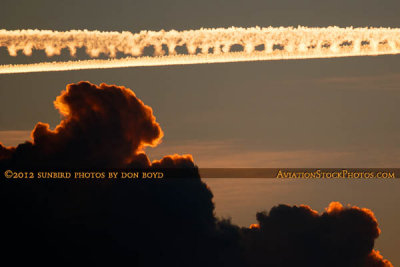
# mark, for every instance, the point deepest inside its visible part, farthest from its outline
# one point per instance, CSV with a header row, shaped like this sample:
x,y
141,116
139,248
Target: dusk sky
x,y
338,113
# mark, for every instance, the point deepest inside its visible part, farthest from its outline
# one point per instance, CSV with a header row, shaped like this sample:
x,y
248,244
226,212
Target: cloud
x,y
300,236
152,223
104,125
102,223
375,259
277,43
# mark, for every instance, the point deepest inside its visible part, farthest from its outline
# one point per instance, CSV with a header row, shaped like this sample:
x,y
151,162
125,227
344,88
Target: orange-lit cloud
x,y
375,259
254,226
108,126
299,236
102,126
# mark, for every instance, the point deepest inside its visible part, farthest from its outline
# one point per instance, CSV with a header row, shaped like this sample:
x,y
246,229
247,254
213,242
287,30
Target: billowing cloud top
x,y
300,236
102,126
168,222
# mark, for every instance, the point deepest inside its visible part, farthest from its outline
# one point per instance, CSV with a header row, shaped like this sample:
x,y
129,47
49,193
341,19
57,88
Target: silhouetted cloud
x,y
300,236
104,125
159,222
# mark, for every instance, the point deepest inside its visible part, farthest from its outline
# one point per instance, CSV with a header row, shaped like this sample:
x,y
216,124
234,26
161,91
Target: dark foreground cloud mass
x,y
300,236
167,222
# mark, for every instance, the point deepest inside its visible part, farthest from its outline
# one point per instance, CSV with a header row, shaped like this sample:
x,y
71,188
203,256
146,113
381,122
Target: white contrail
x,y
201,46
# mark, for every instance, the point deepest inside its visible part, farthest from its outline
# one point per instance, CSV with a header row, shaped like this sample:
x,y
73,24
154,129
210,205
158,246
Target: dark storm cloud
x,y
167,222
102,125
299,236
98,223
5,152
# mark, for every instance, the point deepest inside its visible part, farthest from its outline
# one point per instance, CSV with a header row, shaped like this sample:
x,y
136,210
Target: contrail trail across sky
x,y
198,46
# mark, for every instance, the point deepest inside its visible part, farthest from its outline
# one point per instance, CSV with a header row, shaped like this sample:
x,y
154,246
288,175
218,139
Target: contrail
x,y
196,46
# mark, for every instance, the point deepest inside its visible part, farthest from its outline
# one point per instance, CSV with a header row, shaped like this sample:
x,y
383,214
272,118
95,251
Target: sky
x,y
299,113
